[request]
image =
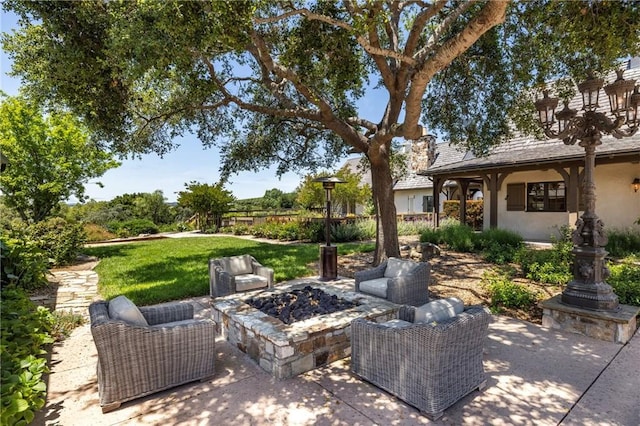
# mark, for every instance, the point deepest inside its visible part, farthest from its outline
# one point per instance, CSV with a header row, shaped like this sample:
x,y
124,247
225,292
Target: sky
x,y
189,162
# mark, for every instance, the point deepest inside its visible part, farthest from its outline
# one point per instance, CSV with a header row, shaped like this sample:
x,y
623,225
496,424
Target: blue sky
x,y
189,162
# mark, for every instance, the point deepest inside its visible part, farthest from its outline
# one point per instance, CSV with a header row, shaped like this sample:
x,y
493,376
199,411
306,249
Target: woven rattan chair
x,y
229,275
134,361
428,366
404,282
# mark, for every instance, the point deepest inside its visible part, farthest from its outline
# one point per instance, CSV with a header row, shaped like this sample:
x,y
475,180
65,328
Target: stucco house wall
x,y
616,203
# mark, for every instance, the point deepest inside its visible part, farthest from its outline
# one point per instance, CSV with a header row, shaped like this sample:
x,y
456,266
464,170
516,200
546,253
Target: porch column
x,y
437,188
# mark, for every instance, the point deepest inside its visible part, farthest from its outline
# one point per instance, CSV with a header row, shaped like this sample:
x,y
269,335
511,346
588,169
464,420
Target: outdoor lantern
x,y
546,107
619,93
328,253
565,116
634,105
590,89
588,289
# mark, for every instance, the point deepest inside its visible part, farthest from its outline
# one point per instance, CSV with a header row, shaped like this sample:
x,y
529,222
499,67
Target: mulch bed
x,y
459,275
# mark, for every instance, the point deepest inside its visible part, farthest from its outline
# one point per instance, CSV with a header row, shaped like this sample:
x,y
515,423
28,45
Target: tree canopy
x,y
279,82
51,158
210,202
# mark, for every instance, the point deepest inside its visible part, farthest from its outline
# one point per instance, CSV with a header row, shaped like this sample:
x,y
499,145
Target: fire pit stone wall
x,y
288,350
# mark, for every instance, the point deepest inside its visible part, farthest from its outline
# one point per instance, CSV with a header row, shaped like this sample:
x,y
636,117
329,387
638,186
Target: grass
x,y
172,269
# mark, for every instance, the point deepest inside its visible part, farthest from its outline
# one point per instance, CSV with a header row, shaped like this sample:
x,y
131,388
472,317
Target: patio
x,y
535,376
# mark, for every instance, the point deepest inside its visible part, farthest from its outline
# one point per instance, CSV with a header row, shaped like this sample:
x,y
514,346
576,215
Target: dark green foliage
x,y
23,263
496,245
25,332
506,293
456,237
459,238
60,239
625,280
133,227
623,242
347,231
551,266
499,245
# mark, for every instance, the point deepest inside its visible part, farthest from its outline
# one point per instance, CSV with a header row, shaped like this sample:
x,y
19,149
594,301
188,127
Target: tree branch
x,y
372,50
492,14
442,28
419,24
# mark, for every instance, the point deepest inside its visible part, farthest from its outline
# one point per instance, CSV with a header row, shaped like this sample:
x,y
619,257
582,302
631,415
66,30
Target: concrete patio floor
x,y
536,376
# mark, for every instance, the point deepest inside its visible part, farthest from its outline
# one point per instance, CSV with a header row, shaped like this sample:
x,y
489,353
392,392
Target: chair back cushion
x,y
123,309
237,265
439,310
398,267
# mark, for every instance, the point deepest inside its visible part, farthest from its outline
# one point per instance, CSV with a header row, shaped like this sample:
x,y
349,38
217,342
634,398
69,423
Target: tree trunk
x,y
387,227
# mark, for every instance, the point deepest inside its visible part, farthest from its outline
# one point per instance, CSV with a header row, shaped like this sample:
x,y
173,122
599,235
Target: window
x,y
546,197
427,203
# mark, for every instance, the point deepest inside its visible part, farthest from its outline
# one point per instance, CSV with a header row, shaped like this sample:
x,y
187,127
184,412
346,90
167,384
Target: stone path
x,y
74,289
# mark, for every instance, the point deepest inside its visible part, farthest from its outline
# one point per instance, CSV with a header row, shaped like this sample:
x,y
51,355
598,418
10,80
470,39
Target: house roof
x,y
352,164
445,154
525,150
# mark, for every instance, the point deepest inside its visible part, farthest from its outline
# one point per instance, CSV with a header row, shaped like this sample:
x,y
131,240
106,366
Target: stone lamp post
x,y
588,288
328,253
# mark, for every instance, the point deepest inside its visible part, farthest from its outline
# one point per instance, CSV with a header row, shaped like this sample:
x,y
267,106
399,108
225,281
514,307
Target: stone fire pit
x,y
288,350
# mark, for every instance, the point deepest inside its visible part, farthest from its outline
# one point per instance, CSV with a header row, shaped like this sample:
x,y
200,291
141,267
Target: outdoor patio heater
x,y
588,288
328,253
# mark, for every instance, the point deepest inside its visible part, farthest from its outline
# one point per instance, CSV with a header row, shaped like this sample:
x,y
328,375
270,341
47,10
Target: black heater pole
x,y
328,253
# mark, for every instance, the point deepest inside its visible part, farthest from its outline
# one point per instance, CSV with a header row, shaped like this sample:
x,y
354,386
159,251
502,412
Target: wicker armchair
x,y
134,361
229,275
428,366
404,282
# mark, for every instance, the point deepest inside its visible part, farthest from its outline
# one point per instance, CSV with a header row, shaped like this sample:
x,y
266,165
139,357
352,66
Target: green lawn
x,y
172,269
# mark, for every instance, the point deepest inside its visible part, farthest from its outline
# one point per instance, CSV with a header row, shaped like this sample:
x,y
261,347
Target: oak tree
x,y
279,82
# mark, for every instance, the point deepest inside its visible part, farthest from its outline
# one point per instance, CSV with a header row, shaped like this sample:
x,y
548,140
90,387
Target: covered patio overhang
x,y
493,170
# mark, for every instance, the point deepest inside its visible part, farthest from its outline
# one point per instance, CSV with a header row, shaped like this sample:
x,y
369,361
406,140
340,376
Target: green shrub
x,y
60,239
625,280
551,266
346,232
289,231
22,262
133,227
411,228
623,243
498,245
459,238
64,323
97,232
367,228
505,293
431,235
25,331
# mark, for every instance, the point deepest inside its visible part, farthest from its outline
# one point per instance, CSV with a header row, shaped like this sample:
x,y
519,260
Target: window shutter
x,y
515,196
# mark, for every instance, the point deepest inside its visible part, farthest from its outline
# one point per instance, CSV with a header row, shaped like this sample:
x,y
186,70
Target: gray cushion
x,y
250,282
175,323
396,323
123,309
439,310
377,287
397,267
237,265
